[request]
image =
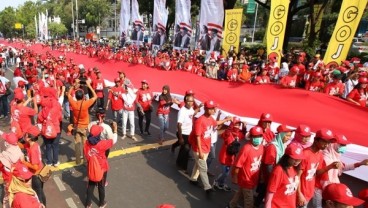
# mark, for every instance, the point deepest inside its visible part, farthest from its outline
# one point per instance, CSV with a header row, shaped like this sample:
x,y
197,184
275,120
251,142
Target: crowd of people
x,y
268,167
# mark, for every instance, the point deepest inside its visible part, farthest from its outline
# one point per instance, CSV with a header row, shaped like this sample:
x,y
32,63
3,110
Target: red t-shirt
x,y
269,157
311,163
249,161
22,115
34,156
98,86
163,108
335,88
283,186
203,127
116,100
229,136
316,86
263,80
288,81
359,96
99,149
144,98
22,200
268,135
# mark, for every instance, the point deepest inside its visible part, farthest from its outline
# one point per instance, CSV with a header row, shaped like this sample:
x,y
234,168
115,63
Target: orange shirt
x,y
84,115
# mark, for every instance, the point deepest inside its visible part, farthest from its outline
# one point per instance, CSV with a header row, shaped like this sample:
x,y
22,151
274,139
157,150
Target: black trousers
x,y
100,102
101,190
37,186
183,156
147,115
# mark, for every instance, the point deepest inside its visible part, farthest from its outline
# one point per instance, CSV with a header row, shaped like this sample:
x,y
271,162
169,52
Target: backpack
x,y
48,130
95,173
233,148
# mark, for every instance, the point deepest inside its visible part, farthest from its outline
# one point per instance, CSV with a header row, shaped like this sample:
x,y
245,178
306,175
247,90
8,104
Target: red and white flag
x,y
183,25
124,19
137,24
211,21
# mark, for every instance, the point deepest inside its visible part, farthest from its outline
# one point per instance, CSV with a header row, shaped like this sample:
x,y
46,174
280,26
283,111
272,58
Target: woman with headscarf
x,y
333,154
164,103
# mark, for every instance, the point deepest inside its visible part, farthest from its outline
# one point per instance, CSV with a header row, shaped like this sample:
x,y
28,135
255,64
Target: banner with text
x,y
211,20
233,22
124,21
349,18
276,29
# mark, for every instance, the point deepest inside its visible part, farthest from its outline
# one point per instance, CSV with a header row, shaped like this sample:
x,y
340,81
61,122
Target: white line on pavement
x,y
71,203
59,183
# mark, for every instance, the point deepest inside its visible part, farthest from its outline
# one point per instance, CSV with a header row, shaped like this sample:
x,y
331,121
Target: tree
x,y
7,22
56,29
93,11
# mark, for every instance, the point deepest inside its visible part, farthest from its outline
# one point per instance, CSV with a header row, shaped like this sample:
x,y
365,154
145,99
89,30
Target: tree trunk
x,y
289,22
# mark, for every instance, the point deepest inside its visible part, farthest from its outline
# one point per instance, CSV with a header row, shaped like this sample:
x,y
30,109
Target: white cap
x,y
80,66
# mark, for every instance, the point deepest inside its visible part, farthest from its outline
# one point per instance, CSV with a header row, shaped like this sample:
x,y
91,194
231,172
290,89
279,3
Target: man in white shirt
x,y
184,126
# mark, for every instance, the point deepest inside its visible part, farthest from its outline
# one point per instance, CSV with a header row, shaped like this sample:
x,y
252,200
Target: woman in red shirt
x,y
284,180
144,106
359,94
230,135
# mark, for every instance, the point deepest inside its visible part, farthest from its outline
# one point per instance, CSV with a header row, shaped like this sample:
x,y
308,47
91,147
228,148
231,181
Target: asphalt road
x,y
143,174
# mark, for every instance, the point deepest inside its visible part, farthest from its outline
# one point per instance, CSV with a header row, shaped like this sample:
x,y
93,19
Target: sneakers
x,y
106,183
195,183
104,205
134,138
56,164
148,133
2,116
221,187
123,137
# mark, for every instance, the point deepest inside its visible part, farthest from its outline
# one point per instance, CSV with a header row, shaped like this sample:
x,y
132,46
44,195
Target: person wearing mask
x,y
21,193
302,136
80,108
338,195
247,168
284,180
144,106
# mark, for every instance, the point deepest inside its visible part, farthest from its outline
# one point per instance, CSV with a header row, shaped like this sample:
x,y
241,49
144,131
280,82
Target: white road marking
x,y
59,183
71,203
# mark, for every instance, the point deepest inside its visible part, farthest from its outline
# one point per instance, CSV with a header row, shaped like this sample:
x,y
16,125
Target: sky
x,y
12,3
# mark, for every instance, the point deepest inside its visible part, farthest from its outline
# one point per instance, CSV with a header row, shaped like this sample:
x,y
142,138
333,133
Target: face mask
x,y
46,76
257,141
341,149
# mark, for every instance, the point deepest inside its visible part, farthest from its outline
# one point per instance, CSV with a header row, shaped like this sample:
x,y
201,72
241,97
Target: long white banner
x,y
183,25
137,24
124,20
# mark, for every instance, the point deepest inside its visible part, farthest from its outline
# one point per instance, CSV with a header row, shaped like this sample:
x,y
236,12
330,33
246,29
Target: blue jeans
x,y
118,116
164,124
66,107
4,105
211,155
222,177
52,149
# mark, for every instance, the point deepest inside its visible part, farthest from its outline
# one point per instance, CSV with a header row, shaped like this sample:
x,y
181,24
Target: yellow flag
x,y
350,15
233,22
276,28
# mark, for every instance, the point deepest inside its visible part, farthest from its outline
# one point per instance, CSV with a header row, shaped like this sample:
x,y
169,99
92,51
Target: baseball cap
x,y
283,128
363,80
266,117
81,66
117,79
21,83
210,104
256,131
10,138
21,171
317,74
33,131
341,139
363,194
96,130
18,95
294,151
325,134
340,193
303,130
120,71
189,92
236,120
294,69
144,81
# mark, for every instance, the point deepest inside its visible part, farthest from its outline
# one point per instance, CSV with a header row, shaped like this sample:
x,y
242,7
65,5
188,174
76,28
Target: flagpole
x,y
73,25
255,22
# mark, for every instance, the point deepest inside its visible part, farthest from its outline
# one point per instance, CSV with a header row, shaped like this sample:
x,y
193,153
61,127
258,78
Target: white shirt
x,y
185,117
214,134
17,79
107,131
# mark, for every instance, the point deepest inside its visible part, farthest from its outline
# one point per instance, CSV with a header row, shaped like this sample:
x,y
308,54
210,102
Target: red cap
x,y
33,130
363,80
325,134
210,104
341,139
117,79
363,74
346,63
363,194
96,130
266,117
120,71
283,128
21,83
340,193
18,95
342,69
294,151
189,92
317,74
11,138
144,81
294,69
21,171
236,120
303,130
165,206
256,131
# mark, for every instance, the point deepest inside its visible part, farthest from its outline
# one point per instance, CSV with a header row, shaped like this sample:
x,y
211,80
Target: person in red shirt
x,y
314,84
263,78
231,136
313,165
247,168
33,161
22,114
265,122
200,140
232,74
289,81
21,192
336,87
284,180
144,104
359,94
114,97
95,146
363,194
338,195
99,85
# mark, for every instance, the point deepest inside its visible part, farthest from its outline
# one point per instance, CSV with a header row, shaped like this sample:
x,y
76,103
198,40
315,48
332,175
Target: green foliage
x,y
57,30
7,21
